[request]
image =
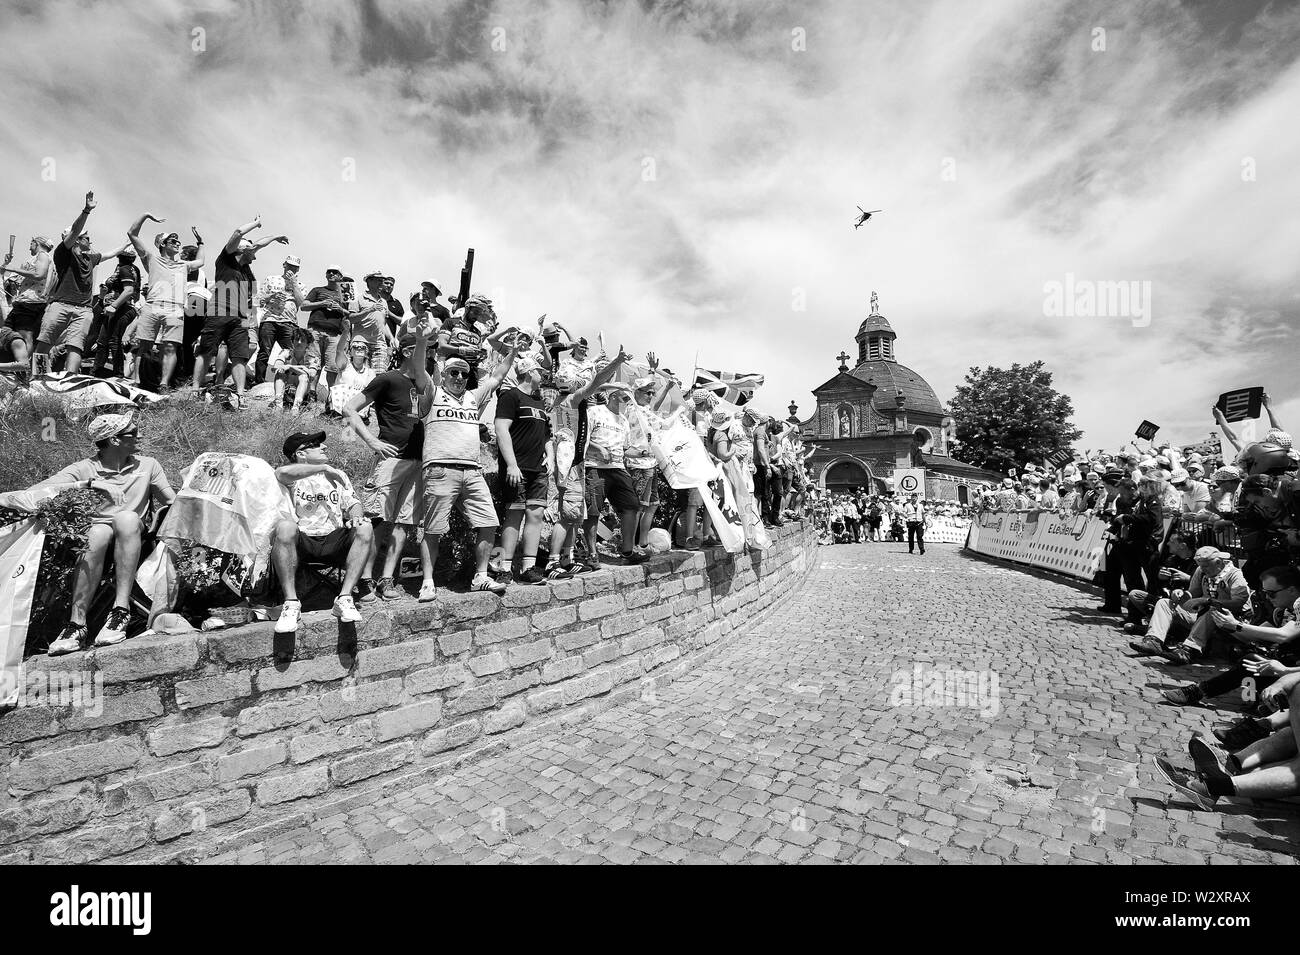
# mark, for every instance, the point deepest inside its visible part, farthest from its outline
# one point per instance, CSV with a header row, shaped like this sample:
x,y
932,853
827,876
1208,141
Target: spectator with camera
x,y
1181,624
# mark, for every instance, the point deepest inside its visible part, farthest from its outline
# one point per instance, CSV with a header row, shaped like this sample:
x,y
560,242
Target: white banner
x,y
20,561
1069,544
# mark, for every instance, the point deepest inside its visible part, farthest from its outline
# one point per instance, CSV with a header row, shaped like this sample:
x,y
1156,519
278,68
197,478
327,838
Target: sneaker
x,y
428,593
346,610
496,568
561,572
588,566
365,592
1187,784
114,628
531,577
1181,656
1136,629
487,583
288,622
635,556
692,543
1237,736
70,640
1208,763
1104,609
1188,695
1147,647
386,589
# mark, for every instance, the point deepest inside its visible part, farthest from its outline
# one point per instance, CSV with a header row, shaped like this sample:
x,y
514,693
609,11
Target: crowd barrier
x,y
1068,544
947,530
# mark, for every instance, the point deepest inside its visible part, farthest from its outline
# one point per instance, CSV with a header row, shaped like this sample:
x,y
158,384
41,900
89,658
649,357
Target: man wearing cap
x,y
453,475
1194,497
372,321
277,305
461,338
67,316
327,313
135,485
394,492
1216,584
36,276
232,306
162,319
329,526
1006,496
397,311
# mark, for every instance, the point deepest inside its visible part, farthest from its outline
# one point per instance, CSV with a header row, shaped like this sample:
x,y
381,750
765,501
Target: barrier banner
x,y
20,562
1071,544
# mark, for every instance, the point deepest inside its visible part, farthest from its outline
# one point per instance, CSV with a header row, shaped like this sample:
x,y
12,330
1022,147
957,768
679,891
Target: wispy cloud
x,y
680,174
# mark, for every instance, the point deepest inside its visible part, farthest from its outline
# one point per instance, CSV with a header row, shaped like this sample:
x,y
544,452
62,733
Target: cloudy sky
x,y
683,175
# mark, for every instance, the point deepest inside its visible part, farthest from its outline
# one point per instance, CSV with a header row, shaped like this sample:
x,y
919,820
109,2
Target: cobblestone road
x,y
817,736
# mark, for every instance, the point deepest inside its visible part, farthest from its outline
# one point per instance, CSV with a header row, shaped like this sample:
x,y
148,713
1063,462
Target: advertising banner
x,y
1071,544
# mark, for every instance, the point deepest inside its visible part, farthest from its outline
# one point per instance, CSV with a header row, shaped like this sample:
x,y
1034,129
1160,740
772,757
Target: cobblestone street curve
x,y
805,739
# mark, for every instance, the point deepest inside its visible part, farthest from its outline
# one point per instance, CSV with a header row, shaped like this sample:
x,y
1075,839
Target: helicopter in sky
x,y
865,216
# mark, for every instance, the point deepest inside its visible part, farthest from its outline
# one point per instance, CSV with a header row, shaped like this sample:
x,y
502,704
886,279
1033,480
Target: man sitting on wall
x,y
329,528
133,484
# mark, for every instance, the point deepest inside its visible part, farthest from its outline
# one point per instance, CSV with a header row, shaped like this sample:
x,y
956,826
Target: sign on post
x,y
909,481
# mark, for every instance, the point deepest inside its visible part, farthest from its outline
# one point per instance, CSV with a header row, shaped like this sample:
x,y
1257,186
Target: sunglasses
x,y
456,373
129,434
361,348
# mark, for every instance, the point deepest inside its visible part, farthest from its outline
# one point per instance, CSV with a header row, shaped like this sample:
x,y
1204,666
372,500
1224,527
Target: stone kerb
x,y
202,742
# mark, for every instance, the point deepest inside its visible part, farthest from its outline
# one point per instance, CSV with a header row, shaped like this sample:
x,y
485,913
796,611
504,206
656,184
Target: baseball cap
x,y
293,260
1211,553
456,363
301,439
526,365
436,286
373,274
1179,475
42,241
581,343
1114,474
333,268
643,383
407,341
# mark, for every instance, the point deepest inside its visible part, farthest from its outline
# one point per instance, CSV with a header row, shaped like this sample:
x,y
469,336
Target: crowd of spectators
x,y
437,388
856,517
1201,566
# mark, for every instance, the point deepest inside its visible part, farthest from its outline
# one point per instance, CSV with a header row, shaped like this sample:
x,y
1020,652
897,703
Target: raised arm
x,y
1272,418
1227,429
79,223
133,234
38,271
263,243
493,381
604,376
233,242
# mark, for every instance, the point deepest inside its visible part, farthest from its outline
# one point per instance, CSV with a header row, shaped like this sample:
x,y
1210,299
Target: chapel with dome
x,y
881,415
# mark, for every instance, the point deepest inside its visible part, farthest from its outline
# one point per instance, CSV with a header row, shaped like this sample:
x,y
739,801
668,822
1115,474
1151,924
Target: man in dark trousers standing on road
x,y
914,517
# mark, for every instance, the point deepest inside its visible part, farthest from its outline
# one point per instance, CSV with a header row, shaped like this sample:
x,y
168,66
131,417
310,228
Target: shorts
x,y
531,492
331,549
783,479
394,492
613,485
26,317
327,345
646,486
223,329
568,496
689,497
161,322
446,486
65,324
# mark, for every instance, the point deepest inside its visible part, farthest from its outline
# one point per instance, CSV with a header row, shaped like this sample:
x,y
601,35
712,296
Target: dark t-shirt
x,y
75,271
233,288
323,319
530,426
397,407
461,335
124,275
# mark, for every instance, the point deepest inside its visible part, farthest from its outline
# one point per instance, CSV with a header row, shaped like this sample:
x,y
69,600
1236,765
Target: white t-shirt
x,y
320,504
451,434
606,438
168,281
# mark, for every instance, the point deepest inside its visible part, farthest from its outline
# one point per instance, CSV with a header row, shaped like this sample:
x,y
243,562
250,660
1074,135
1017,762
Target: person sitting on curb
x,y
1216,584
1279,639
329,528
1173,571
134,483
1268,768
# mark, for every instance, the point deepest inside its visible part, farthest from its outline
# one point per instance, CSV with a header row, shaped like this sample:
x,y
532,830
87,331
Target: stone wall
x,y
201,743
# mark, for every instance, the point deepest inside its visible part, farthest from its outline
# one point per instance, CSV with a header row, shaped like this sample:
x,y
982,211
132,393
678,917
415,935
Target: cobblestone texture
x,y
786,747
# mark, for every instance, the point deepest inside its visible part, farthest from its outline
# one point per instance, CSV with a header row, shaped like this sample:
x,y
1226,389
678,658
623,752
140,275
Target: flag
x,y
681,456
736,387
20,562
86,392
1147,430
1241,404
720,502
